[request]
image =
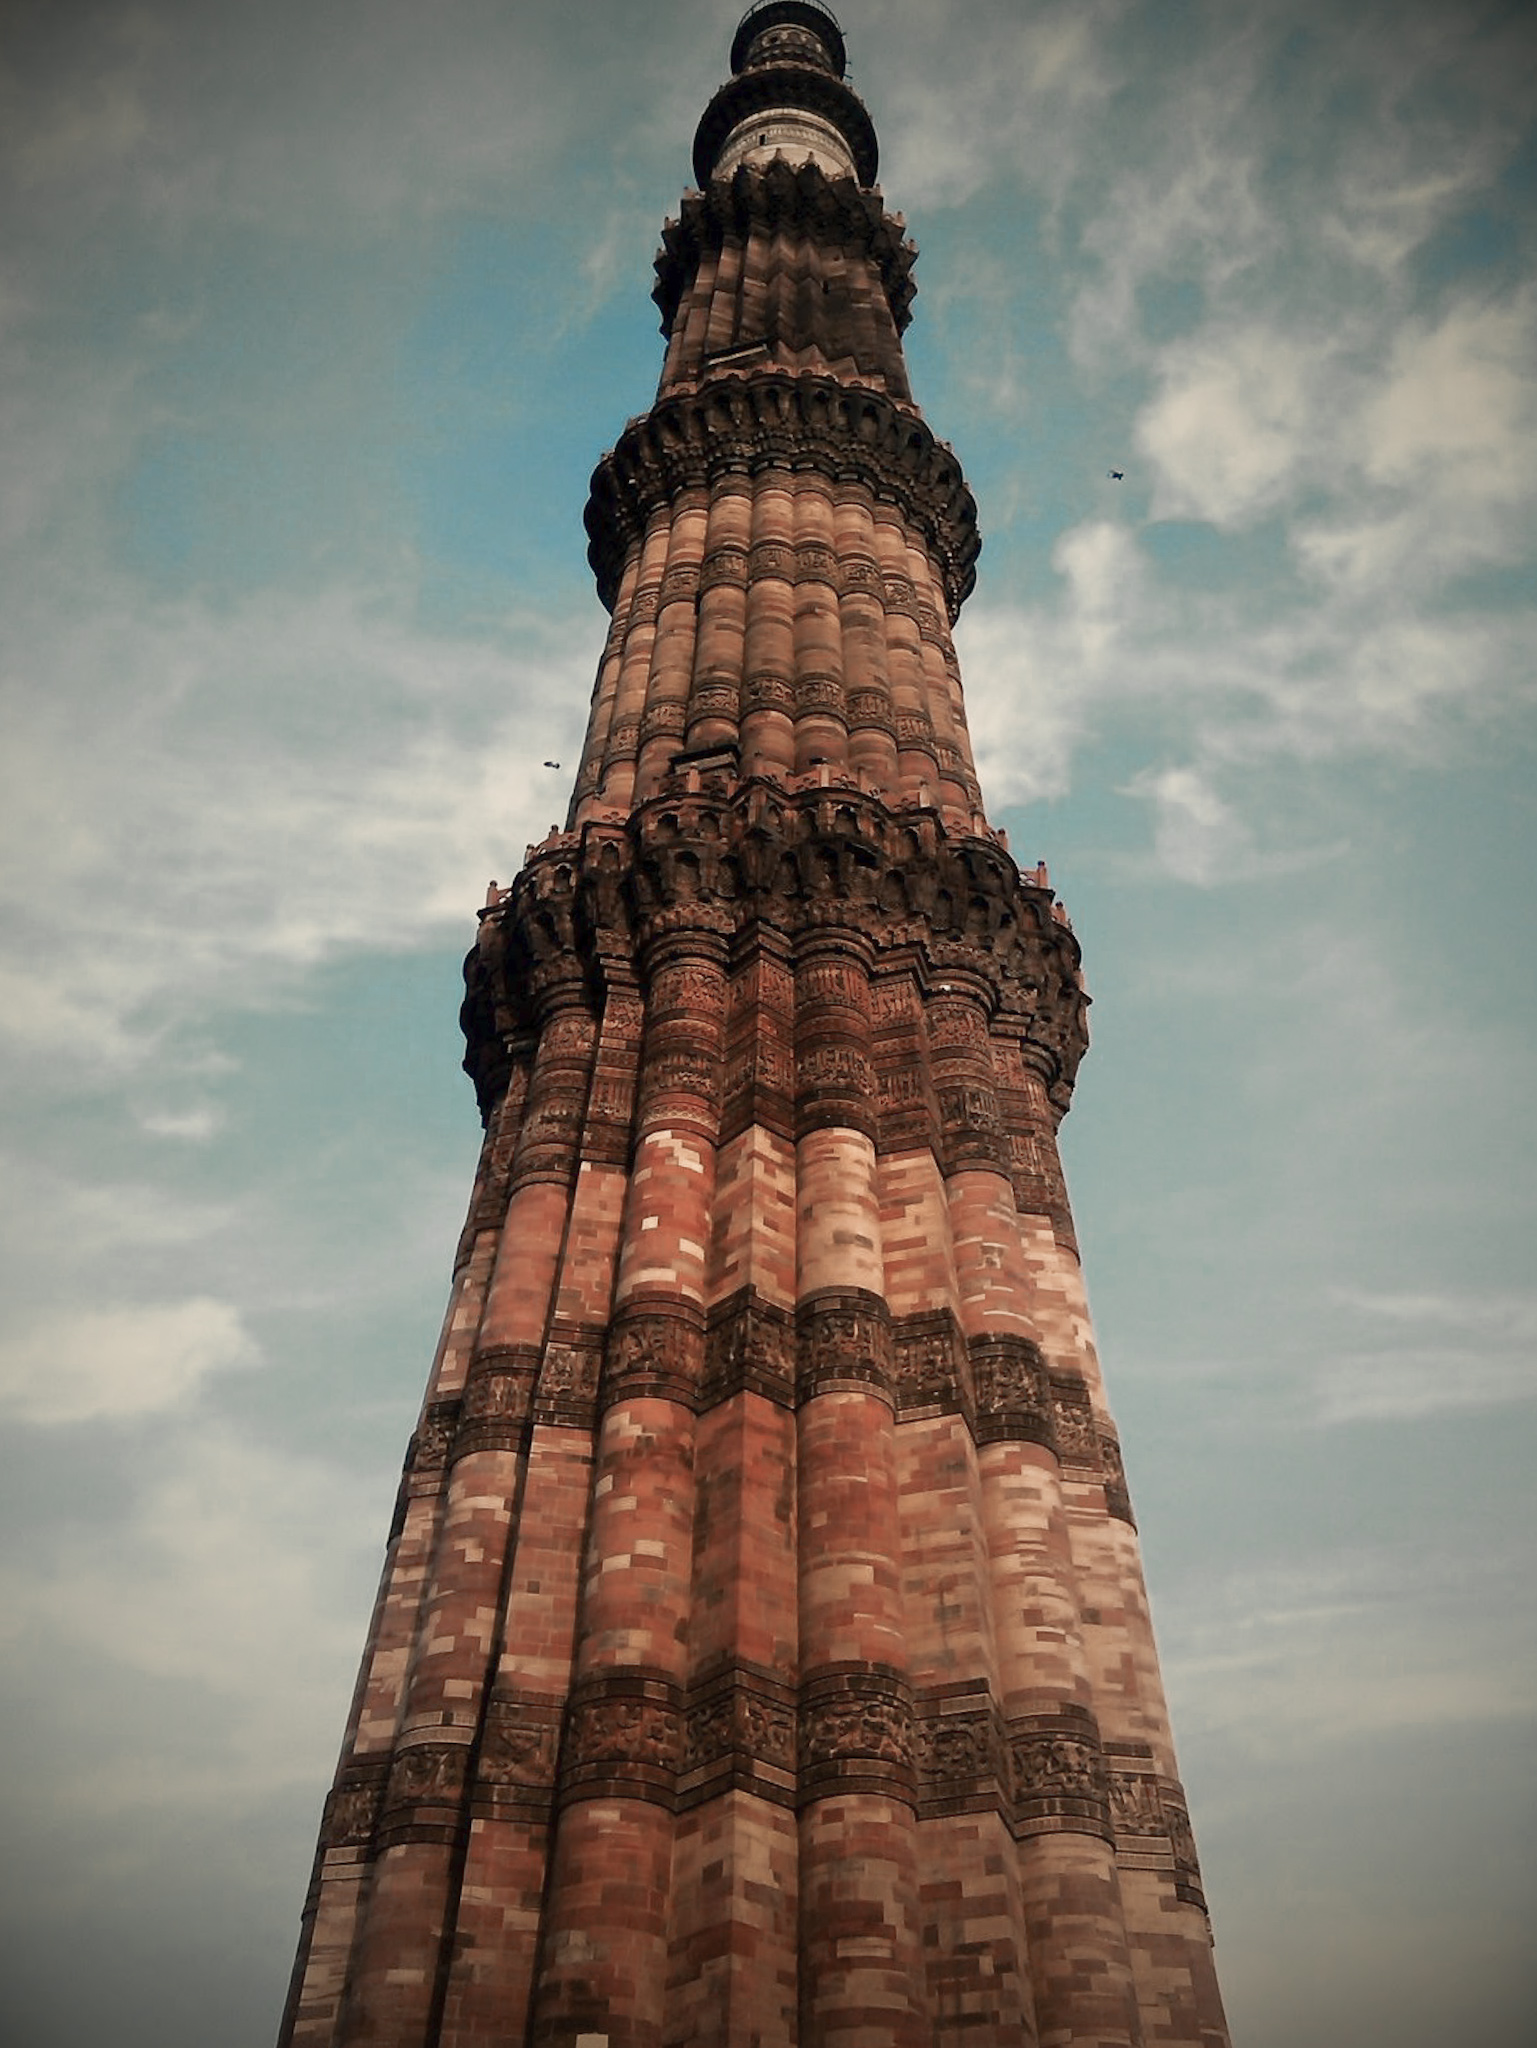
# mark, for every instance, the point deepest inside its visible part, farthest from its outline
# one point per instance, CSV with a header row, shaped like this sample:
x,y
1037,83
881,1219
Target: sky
x,y
314,318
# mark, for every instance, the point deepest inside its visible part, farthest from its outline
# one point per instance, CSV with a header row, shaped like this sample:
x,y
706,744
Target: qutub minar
x,y
762,1655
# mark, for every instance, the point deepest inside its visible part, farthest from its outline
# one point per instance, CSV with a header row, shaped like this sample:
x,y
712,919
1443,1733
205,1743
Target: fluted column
x,y
867,684
394,1995
768,679
339,1886
664,722
917,760
859,1958
958,793
621,745
821,720
513,1772
715,699
1080,1966
605,1943
732,1966
587,791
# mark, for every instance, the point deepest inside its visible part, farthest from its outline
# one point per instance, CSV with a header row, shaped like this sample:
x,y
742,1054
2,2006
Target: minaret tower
x,y
762,1658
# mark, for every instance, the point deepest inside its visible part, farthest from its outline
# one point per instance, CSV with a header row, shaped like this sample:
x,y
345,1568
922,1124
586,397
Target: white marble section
x,y
790,132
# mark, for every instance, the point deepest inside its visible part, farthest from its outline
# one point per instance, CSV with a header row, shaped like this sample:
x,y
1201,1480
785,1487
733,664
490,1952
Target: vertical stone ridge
x,y
762,1657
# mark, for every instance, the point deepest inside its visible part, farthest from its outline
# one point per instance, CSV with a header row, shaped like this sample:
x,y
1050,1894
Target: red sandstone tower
x,y
762,1656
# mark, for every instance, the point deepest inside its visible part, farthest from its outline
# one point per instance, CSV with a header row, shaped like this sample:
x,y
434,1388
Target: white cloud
x,y
223,1580
1032,675
182,112
50,1218
1415,1382
1448,101
1288,1660
200,801
111,1364
1192,216
194,1125
1012,93
1230,425
1236,682
1197,837
1446,448
1509,1316
1451,1352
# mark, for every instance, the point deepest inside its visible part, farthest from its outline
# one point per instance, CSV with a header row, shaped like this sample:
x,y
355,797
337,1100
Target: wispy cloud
x,y
1229,427
1017,92
199,803
1447,1353
212,1583
1290,1659
107,1364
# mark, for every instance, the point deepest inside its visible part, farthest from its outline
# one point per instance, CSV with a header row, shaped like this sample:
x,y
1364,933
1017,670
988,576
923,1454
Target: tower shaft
x,y
762,1658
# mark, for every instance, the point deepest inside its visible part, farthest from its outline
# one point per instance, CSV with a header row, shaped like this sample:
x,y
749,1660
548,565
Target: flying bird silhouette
x,y
552,764
1116,475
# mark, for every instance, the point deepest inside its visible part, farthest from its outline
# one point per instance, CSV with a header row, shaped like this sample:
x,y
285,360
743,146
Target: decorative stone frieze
x,y
1151,1820
427,1457
353,1805
566,1390
624,1739
1073,1414
961,1750
856,1733
1134,1807
423,1793
679,583
739,1734
774,420
1061,1784
766,690
929,1361
516,1759
1014,1391
869,711
749,1348
726,564
654,1354
1113,1471
843,1339
498,1392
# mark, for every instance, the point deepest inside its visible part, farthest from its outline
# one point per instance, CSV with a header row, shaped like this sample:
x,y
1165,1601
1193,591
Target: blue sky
x,y
313,320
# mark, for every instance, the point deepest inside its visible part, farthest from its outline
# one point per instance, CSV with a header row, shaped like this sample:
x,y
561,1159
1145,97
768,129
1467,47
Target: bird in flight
x,y
1116,475
552,764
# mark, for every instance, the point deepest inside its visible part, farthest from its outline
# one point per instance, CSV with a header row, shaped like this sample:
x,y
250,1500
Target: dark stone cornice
x,y
779,420
793,86
729,857
780,198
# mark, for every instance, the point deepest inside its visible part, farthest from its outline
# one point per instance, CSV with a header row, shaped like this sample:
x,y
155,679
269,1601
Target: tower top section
x,y
787,97
770,28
